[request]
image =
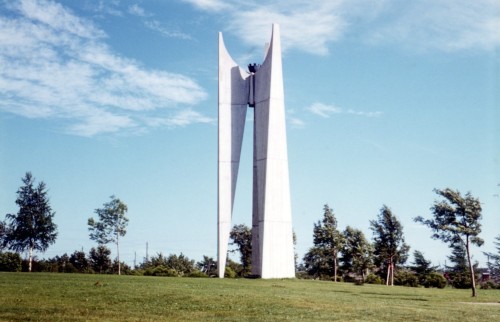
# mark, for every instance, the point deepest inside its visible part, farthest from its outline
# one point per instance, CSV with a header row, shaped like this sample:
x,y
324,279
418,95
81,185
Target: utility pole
x,y
147,256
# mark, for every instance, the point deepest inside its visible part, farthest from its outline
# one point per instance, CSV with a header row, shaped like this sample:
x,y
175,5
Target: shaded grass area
x,y
74,297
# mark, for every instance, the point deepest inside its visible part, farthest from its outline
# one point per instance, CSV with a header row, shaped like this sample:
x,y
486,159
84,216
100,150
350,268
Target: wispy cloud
x,y
325,111
181,118
210,5
445,25
137,10
296,122
155,25
56,65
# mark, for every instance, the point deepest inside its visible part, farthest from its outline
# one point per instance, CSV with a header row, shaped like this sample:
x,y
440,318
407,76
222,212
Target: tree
x,y
458,257
459,272
99,259
3,234
79,261
32,228
10,262
328,241
494,259
389,244
208,266
421,266
357,252
456,218
241,236
180,263
111,226
172,265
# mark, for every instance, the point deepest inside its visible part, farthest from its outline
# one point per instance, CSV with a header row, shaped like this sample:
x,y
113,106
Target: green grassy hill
x,y
75,297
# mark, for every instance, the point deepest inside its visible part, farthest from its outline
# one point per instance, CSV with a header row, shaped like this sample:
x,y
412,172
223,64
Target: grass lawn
x,y
75,297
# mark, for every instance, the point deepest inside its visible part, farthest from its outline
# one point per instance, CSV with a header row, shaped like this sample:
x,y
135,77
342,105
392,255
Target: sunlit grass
x,y
74,297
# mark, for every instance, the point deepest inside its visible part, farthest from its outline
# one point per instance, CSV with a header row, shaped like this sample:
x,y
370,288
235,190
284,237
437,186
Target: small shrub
x,y
461,281
489,285
373,279
229,272
359,281
10,262
350,279
161,271
303,275
196,273
406,278
434,280
330,278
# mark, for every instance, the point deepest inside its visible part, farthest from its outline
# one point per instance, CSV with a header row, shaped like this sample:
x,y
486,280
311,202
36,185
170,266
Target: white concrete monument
x,y
261,87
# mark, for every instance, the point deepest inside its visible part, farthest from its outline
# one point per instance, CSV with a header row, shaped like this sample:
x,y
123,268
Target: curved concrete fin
x,y
233,98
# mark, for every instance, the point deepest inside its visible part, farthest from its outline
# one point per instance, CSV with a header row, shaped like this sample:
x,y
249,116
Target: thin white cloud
x,y
155,25
296,122
137,10
312,26
447,25
210,5
325,111
362,113
56,65
181,118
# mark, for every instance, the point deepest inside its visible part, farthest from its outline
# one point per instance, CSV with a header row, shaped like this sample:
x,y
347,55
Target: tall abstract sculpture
x,y
261,88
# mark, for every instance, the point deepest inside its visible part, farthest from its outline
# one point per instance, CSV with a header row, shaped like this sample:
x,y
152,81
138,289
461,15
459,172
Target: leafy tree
x,y
241,236
456,218
61,264
208,266
328,241
389,244
10,262
125,269
111,226
79,261
421,266
357,252
3,234
156,260
181,263
173,265
494,259
32,228
99,259
458,258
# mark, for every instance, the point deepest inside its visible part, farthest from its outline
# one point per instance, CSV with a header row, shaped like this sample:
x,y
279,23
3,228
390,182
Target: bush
x,y
434,280
461,281
406,278
196,273
303,275
10,262
161,271
489,285
229,272
373,279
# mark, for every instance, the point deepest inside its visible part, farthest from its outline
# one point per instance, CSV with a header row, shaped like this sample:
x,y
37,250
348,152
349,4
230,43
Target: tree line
x,y
336,255
348,255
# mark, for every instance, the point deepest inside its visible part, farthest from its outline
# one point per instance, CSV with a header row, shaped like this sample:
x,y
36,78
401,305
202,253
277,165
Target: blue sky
x,y
385,101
